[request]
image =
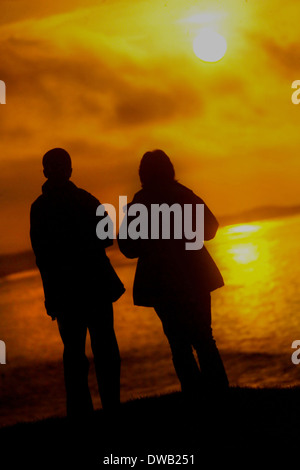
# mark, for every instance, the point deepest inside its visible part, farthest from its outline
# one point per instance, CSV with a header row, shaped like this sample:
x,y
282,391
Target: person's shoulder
x,y
182,188
85,197
38,203
139,195
188,193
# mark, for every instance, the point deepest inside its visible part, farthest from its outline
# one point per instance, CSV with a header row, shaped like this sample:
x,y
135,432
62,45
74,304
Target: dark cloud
x,y
285,58
19,10
64,86
142,106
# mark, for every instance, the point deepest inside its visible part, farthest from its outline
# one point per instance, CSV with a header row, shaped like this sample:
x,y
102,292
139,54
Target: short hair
x,y
57,159
156,167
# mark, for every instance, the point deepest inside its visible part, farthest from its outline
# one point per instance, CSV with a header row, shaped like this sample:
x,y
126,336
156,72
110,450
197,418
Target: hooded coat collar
x,y
58,191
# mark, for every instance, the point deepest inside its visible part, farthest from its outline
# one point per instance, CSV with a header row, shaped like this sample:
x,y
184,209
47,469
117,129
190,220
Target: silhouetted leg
x,y
212,367
184,361
186,367
76,366
211,364
106,355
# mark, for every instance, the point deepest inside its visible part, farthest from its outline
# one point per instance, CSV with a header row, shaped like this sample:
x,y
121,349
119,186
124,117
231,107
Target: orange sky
x,y
109,80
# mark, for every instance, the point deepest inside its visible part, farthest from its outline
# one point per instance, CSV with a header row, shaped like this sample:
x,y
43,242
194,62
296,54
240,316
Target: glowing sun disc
x,y
209,45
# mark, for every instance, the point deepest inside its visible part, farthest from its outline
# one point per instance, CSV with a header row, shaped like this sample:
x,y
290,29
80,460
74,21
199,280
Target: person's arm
x,y
41,249
128,247
211,224
131,248
39,237
91,220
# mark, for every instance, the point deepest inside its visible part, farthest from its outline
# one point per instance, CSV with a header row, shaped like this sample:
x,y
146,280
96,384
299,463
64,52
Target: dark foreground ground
x,y
250,426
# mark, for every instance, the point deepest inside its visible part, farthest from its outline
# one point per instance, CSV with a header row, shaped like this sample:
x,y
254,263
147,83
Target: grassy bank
x,y
249,424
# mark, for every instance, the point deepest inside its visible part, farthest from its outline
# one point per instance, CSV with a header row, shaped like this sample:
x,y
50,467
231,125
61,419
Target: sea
x,y
256,319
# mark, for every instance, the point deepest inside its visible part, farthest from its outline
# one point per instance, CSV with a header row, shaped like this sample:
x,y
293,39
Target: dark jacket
x,y
71,259
165,269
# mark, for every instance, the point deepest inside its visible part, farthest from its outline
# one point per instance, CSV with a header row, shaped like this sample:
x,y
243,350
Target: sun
x,y
209,45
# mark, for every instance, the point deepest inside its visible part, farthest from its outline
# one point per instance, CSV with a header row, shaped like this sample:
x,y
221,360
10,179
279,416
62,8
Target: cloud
x,y
148,105
71,91
20,10
110,80
285,57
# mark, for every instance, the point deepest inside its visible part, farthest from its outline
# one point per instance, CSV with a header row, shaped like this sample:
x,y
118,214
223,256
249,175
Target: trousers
x,y
73,328
187,326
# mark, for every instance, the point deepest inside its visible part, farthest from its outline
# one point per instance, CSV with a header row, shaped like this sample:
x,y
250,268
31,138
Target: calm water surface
x,y
256,317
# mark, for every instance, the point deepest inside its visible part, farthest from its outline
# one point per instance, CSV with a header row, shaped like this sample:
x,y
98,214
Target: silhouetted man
x,y
175,281
76,275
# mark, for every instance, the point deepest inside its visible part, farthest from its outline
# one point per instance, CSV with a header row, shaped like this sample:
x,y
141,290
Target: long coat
x,y
165,269
72,261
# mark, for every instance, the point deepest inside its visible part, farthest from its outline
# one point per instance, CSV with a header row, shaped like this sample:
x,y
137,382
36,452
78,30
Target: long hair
x,y
156,168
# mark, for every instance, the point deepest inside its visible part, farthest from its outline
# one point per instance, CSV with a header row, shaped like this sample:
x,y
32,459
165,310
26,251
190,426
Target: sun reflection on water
x,y
246,253
255,319
245,228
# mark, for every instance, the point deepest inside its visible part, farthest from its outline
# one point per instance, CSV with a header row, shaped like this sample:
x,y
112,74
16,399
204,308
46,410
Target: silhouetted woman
x,y
175,281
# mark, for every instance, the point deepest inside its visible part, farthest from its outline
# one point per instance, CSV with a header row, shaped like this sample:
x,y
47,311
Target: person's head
x,y
57,166
156,168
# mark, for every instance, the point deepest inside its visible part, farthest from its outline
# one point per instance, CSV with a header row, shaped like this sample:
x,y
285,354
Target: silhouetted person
x,y
76,275
175,281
